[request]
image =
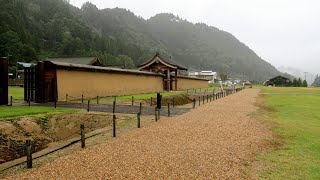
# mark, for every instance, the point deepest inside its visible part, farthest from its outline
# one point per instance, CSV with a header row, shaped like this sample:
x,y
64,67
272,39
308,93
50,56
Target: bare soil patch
x,y
44,130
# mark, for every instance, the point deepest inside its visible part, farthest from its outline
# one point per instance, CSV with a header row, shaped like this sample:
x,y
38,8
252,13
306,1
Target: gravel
x,y
217,140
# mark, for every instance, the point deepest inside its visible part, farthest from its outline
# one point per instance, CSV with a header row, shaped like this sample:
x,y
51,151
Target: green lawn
x,y
297,114
16,93
14,111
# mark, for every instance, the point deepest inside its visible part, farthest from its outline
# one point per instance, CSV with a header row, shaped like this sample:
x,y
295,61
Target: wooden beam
x,y
168,79
176,80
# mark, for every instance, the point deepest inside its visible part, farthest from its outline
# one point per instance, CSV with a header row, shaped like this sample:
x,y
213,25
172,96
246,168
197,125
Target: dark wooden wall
x,y
46,82
4,78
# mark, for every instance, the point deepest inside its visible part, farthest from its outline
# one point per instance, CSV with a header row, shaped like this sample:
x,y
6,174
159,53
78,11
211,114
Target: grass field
x,y
15,111
297,115
16,93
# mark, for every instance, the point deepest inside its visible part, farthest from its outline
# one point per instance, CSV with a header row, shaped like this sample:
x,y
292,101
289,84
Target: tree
x,y
316,82
304,83
299,84
295,82
223,76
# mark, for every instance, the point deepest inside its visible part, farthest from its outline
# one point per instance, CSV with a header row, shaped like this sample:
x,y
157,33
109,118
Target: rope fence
x,y
29,148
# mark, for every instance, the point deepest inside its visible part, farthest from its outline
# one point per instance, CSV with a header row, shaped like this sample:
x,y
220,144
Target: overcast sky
x,y
282,32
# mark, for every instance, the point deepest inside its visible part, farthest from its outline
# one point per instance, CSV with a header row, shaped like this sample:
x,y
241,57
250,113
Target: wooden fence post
x,y
194,103
151,102
82,99
155,114
29,153
55,103
138,118
114,107
83,139
97,99
140,108
132,100
159,114
114,125
88,107
168,109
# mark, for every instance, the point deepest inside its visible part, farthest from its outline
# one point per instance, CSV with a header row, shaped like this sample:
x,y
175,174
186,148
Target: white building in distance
x,y
209,75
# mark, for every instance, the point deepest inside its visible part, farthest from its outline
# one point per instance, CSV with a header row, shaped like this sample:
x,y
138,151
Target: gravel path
x,y
217,140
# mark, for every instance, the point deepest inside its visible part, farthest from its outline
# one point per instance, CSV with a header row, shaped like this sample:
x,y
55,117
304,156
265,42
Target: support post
x,y
88,107
114,107
138,118
151,101
168,109
140,108
168,80
82,99
97,99
176,80
55,103
194,103
132,100
29,153
83,139
114,125
155,114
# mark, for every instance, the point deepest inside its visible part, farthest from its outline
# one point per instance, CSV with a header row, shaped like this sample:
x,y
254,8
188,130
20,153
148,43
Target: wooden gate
x,y
29,83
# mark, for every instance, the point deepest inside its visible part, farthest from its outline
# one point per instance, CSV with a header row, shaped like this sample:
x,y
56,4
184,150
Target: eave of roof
x,y
164,61
76,60
61,65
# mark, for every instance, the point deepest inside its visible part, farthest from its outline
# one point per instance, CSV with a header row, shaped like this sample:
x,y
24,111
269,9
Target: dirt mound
x,y
179,99
44,130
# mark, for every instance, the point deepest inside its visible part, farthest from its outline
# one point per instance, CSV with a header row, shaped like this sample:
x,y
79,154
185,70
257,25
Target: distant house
x,y
93,61
209,75
278,81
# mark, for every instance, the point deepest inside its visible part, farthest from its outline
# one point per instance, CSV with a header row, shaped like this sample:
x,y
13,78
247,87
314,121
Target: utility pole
x,y
305,76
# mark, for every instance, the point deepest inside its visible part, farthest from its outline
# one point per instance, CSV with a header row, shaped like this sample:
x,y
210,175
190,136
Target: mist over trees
x,y
35,29
316,82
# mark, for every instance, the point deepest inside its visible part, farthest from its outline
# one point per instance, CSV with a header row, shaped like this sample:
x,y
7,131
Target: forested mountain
x,y
34,29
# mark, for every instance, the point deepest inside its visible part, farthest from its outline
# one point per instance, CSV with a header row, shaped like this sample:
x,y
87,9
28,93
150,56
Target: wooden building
x,y
278,81
4,64
168,67
54,79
